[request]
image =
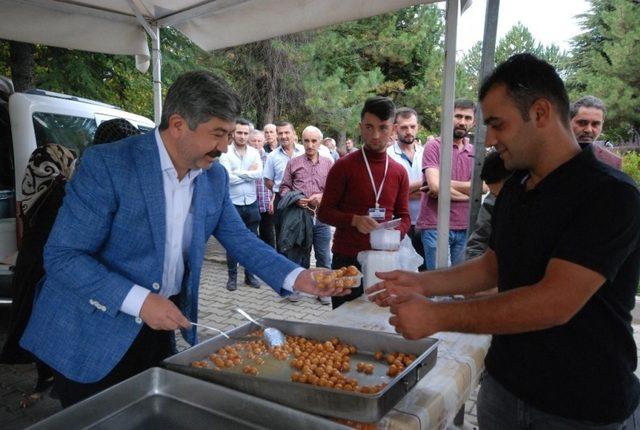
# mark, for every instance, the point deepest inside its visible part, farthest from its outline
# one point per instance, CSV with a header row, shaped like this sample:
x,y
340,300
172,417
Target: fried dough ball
x,y
200,364
390,358
378,355
352,271
393,371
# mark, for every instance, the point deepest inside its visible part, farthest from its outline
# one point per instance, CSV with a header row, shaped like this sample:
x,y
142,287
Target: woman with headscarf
x,y
49,168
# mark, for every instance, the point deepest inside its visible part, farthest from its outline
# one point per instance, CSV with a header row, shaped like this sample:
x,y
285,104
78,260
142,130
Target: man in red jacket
x,y
364,188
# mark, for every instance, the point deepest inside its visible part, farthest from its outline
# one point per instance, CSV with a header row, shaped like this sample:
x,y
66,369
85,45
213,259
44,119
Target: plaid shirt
x,y
264,194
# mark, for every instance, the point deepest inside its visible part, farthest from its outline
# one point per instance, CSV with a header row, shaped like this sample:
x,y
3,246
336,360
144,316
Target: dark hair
x,y
243,121
114,130
493,170
527,79
587,102
464,104
198,97
405,112
284,124
382,107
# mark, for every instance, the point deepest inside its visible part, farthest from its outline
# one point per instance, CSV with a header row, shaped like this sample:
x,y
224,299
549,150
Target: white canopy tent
x,y
122,27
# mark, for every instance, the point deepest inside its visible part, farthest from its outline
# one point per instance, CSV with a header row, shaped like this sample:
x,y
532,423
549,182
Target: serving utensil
x,y
210,328
272,336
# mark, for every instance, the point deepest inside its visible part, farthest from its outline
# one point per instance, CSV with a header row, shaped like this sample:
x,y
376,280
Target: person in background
x,y
113,130
266,230
461,169
350,146
331,145
49,168
308,174
364,188
277,161
244,167
587,120
494,174
270,138
405,151
565,255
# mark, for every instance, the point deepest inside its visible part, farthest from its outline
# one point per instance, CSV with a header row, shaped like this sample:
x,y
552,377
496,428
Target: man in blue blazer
x,y
124,257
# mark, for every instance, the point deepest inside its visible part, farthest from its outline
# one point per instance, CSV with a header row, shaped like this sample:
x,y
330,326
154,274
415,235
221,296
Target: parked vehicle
x,y
32,119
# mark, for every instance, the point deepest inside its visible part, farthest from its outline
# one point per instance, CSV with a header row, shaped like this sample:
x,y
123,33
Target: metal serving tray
x,y
160,399
274,382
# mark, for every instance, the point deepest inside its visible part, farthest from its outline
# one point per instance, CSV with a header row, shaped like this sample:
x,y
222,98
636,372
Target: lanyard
x,y
377,193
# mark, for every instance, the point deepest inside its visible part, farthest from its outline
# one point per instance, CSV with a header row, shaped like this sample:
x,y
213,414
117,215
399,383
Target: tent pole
x,y
156,64
486,66
446,131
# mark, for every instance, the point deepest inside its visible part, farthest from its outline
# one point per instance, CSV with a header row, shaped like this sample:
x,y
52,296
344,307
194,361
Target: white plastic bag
x,y
409,259
406,258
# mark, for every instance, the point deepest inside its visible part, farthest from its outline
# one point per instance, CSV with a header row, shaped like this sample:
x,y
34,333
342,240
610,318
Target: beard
x,y
459,133
406,140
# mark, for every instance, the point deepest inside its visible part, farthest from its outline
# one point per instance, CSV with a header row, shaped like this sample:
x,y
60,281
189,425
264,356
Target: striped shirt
x,y
301,174
264,193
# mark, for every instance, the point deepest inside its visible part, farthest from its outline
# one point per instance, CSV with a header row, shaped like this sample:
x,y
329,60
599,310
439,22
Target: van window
x,y
73,132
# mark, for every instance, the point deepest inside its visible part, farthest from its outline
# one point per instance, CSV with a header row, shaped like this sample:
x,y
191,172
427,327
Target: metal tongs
x,y
272,336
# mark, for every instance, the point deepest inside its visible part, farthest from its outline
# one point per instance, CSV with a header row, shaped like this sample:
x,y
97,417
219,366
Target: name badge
x,y
377,213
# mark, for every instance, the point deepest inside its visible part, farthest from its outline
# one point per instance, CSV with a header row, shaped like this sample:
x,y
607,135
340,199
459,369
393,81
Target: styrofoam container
x,y
385,240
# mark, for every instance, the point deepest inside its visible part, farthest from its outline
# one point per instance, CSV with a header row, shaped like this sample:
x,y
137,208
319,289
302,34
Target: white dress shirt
x,y
276,163
179,229
414,170
244,170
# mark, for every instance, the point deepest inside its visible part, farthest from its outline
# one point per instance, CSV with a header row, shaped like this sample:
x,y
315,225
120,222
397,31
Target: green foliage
x,y
398,55
606,63
631,165
517,40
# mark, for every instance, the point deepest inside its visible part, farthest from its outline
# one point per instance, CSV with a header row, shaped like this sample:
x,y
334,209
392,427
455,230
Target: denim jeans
x,y
250,215
322,244
498,409
457,242
321,247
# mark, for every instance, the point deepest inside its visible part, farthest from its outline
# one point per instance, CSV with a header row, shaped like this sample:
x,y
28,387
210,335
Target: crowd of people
x,y
550,270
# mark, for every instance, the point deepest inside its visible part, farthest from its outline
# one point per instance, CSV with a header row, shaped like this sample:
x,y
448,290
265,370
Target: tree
x,y
606,63
397,54
517,40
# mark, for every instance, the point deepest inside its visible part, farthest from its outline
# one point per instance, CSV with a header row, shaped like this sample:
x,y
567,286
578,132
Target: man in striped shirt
x,y
308,174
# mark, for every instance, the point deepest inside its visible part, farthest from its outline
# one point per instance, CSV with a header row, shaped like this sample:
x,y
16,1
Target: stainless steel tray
x,y
276,385
160,399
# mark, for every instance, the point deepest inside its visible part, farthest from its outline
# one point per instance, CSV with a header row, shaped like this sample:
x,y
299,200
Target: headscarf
x,y
46,163
114,130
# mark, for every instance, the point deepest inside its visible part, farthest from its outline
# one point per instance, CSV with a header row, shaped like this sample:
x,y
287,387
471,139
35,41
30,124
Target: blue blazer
x,y
110,234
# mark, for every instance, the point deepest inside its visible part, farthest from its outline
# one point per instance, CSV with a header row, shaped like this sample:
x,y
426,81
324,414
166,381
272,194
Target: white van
x,y
31,119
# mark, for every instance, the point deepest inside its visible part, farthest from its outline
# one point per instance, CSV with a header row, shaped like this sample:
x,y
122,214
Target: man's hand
x,y
306,284
397,283
315,199
271,208
160,313
303,203
414,316
364,223
254,166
